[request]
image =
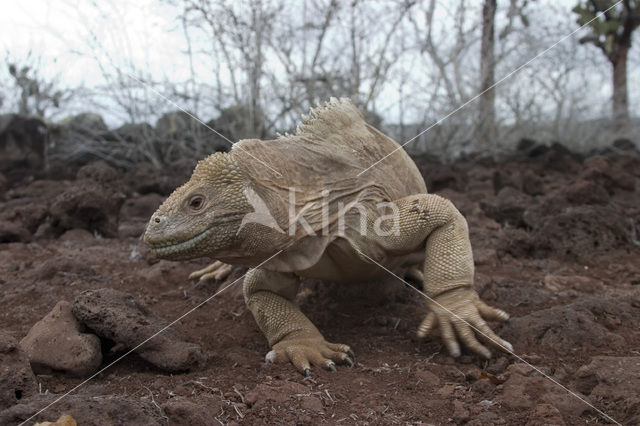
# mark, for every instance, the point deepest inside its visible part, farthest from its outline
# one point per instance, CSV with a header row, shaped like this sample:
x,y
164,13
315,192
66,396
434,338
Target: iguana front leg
x,y
432,222
270,297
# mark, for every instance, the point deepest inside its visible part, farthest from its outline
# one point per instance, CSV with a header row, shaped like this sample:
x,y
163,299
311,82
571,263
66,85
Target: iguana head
x,y
201,218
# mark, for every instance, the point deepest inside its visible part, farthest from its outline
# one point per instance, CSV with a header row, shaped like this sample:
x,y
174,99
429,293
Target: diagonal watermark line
x,y
604,415
499,344
490,88
233,144
61,397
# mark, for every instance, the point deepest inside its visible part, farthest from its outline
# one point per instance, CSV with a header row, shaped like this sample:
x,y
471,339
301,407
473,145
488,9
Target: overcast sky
x,y
139,30
144,32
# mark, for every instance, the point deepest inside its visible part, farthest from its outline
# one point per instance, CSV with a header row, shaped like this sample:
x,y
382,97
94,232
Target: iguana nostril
x,y
156,220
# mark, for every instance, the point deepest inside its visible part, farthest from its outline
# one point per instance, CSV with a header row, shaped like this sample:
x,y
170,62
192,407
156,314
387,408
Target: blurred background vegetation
x,y
131,82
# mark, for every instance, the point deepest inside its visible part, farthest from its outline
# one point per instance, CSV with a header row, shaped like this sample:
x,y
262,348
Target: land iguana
x,y
304,197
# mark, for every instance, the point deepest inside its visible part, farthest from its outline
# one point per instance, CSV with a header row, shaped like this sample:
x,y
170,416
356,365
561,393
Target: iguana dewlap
x,y
304,196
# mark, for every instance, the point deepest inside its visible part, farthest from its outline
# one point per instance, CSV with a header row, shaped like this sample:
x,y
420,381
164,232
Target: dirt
x,y
554,244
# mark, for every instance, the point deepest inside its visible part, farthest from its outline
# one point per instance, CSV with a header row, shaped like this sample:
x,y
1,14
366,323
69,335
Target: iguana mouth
x,y
161,249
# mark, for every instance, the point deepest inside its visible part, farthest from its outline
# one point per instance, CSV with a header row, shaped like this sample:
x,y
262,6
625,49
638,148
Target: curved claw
x,y
270,357
490,313
459,315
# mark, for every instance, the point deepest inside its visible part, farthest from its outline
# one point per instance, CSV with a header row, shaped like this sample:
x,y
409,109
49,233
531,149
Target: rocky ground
x,y
555,244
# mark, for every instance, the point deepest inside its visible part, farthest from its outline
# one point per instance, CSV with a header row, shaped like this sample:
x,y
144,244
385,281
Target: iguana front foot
x,y
216,271
303,353
460,312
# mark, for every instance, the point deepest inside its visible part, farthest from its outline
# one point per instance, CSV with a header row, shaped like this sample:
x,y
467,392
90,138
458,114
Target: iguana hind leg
x,y
431,222
293,338
216,271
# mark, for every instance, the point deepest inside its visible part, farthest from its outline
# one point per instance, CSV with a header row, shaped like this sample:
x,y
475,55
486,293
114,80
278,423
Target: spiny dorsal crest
x,y
334,116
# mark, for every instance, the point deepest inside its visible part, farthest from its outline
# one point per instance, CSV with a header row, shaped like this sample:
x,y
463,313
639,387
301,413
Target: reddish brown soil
x,y
553,243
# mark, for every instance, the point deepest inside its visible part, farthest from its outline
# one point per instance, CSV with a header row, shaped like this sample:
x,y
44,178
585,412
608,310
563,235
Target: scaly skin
x,y
321,161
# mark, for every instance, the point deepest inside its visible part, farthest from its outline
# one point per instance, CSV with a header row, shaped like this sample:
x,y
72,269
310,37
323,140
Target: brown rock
x,y
119,317
561,329
514,242
182,411
486,418
598,163
526,392
65,420
58,343
512,292
543,207
92,202
583,231
264,395
86,410
141,207
77,237
135,214
508,206
16,378
146,178
445,176
559,283
22,144
28,206
88,205
428,377
31,214
460,413
497,365
11,232
506,177
48,269
600,170
485,256
446,390
311,403
483,387
613,382
545,414
586,192
532,184
100,172
558,158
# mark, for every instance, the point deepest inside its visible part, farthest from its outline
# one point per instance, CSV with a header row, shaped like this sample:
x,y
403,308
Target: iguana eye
x,y
196,202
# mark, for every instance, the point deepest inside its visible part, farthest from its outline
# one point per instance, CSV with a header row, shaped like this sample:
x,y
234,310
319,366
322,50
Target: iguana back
x,y
320,164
